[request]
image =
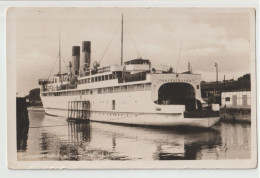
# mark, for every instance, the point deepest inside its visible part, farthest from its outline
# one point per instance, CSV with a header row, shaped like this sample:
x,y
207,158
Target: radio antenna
x,y
179,58
122,39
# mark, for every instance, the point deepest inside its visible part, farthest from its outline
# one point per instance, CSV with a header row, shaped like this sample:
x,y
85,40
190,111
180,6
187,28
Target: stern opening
x,y
177,94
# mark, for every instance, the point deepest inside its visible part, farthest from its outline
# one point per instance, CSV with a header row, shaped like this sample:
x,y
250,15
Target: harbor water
x,y
53,138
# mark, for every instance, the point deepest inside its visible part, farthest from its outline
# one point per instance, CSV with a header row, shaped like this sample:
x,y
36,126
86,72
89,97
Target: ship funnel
x,y
86,50
75,60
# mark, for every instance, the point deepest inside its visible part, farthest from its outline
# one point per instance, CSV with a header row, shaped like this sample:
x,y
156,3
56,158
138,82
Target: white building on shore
x,y
236,99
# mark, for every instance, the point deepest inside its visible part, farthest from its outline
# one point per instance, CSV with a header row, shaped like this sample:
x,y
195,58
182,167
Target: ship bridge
x,y
137,65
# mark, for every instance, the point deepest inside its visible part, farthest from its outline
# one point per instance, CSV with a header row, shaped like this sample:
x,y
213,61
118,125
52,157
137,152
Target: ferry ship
x,y
133,93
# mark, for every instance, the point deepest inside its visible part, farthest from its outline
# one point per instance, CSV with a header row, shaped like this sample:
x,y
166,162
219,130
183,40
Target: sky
x,y
166,36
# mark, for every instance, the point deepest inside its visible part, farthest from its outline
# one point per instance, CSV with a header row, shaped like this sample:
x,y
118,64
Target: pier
x,y
22,123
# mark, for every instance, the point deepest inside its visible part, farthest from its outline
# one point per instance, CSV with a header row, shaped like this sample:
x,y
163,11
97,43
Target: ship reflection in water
x,y
53,138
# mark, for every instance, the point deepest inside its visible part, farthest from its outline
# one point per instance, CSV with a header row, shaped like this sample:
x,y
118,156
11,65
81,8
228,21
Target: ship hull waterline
x,y
141,119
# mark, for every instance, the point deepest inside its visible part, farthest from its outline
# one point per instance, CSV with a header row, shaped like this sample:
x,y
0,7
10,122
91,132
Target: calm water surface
x,y
53,138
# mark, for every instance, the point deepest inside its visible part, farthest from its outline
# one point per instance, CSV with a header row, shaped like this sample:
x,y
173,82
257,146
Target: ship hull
x,y
131,108
142,119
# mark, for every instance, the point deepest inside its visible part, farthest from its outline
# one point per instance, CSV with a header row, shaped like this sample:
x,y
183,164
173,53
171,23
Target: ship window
x,y
123,88
198,87
92,79
113,104
110,76
131,88
116,89
148,86
103,77
139,87
91,92
99,90
110,90
99,78
227,99
106,77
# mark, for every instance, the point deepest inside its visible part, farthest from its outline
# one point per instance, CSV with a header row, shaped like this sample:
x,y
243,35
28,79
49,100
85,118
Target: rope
x,y
53,67
47,126
131,39
65,63
108,45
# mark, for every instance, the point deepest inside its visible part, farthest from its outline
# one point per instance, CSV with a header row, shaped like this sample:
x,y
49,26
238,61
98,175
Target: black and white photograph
x,y
131,87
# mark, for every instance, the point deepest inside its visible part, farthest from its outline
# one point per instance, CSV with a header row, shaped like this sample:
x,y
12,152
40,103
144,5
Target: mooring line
x,y
48,126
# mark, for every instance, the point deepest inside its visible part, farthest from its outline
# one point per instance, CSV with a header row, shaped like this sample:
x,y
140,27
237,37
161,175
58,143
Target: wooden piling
x,y
78,110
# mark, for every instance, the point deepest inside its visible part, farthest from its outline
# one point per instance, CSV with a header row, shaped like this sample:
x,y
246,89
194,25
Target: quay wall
x,y
235,114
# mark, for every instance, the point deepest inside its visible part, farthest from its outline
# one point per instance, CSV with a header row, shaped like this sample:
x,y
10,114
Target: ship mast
x,y
60,61
122,40
59,56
